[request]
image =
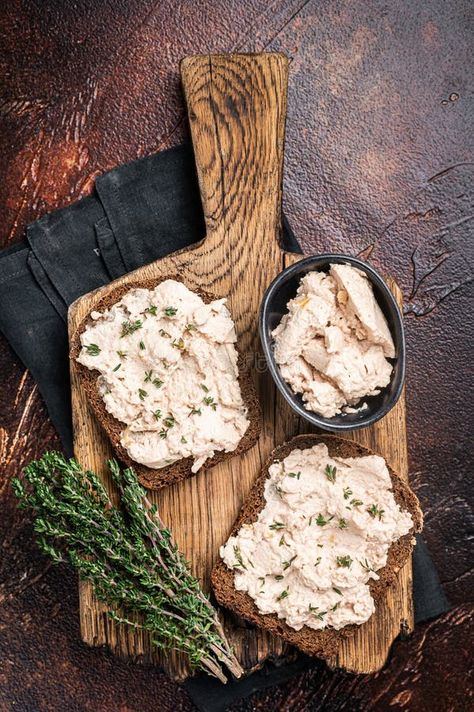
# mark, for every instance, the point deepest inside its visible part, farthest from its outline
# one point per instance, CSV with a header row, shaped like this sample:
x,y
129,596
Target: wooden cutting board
x,y
237,108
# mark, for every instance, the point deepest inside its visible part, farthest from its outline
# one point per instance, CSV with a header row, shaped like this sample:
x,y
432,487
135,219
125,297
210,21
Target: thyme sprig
x,y
127,554
128,327
375,511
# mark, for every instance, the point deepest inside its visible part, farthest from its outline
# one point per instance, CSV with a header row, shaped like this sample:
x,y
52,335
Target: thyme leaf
x,y
294,474
209,400
330,473
287,564
128,327
170,311
178,344
375,511
92,349
238,557
365,565
344,561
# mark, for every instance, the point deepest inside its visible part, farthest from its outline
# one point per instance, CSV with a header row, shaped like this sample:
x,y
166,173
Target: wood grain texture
x,y
237,107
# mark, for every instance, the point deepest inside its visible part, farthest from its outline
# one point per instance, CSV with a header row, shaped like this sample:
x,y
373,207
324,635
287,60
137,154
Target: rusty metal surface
x,y
379,161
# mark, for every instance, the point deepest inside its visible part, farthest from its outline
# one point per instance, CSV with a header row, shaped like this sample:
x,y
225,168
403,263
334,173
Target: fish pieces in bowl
x,y
333,338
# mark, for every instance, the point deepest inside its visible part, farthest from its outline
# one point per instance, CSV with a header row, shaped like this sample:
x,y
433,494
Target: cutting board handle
x,y
237,109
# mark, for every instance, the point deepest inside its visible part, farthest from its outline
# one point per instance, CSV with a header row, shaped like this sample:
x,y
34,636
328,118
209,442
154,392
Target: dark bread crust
x,y
155,479
322,643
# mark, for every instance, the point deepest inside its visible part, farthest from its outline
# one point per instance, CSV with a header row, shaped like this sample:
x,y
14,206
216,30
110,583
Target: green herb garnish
x,y
277,525
170,311
344,561
283,594
239,559
314,610
294,474
347,492
330,473
92,349
287,564
365,565
142,394
128,327
117,367
151,309
375,511
342,524
210,402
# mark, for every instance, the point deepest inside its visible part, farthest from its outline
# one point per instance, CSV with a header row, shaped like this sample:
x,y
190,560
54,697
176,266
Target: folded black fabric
x,y
138,213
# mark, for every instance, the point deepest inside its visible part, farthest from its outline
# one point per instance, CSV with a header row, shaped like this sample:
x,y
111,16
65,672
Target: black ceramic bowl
x,y
282,289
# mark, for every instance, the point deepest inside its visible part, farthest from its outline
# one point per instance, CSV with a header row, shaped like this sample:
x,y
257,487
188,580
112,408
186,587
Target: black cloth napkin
x,y
137,213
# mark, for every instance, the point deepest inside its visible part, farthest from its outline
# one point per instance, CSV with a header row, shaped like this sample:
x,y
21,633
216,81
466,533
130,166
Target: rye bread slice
x,y
322,643
150,478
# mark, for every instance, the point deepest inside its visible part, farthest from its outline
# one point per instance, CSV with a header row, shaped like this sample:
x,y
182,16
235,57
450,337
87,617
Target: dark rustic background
x,y
379,161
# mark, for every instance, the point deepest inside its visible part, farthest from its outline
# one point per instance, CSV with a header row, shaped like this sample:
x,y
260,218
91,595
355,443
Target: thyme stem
x,y
127,554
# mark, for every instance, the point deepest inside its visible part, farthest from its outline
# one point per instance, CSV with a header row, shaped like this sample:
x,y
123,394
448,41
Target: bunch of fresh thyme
x,y
127,554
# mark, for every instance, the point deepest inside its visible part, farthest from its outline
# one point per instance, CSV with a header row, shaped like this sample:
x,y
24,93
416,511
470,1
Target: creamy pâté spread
x,y
168,371
333,344
323,534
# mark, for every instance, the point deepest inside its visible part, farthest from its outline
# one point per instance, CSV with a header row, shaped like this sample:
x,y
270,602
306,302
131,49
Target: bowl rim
x,y
267,342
